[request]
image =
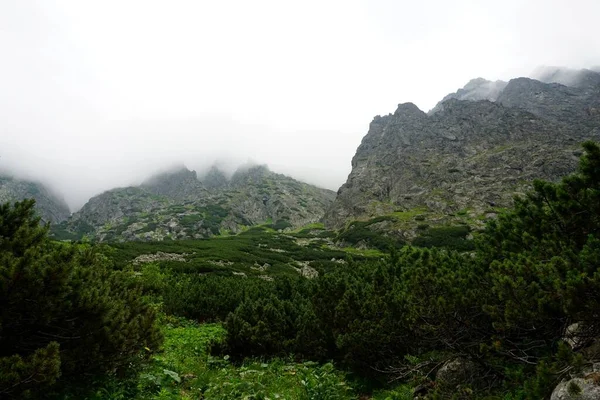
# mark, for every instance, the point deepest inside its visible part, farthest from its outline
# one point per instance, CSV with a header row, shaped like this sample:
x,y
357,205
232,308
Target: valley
x,y
459,260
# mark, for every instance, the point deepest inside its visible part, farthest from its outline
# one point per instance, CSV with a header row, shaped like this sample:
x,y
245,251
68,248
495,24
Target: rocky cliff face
x,y
176,205
475,90
49,206
469,155
178,185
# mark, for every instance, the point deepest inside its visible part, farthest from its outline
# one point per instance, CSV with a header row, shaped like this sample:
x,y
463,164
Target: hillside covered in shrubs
x,y
509,314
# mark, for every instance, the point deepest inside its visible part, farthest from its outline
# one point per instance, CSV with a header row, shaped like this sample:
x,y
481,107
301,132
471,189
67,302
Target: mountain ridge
x,y
468,155
175,204
50,207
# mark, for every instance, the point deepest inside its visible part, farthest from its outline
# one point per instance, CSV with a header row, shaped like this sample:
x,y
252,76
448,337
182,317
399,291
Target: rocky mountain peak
x,y
50,207
215,178
176,205
245,175
475,90
408,110
569,77
552,101
477,148
180,183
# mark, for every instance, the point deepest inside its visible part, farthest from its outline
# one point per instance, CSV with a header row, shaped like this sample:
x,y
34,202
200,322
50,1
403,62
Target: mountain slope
x,y
176,205
49,206
468,156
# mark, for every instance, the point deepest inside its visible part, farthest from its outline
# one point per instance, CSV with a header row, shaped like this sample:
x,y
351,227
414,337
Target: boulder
x,y
577,389
456,372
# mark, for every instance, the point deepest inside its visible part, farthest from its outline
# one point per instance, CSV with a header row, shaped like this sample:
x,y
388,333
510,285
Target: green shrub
x,y
281,225
359,232
451,237
65,314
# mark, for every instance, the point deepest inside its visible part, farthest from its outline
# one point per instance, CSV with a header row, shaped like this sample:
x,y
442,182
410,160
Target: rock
x,y
179,184
176,205
49,206
215,179
306,270
456,372
480,147
259,267
159,256
577,389
475,90
577,337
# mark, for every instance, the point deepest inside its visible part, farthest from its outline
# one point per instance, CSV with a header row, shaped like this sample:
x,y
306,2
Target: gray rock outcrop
x,y
468,155
49,206
577,389
456,372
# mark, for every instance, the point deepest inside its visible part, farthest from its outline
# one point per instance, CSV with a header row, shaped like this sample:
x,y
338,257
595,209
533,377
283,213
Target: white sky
x,y
97,94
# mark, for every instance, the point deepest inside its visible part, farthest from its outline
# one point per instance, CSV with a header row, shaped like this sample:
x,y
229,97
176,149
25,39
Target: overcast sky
x,y
97,94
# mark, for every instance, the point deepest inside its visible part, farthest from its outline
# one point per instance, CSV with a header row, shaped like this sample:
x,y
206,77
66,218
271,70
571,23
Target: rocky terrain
x,y
49,206
177,205
477,148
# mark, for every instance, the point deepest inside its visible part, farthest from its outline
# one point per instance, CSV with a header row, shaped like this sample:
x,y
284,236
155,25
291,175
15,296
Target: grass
x,y
183,369
370,253
403,392
409,215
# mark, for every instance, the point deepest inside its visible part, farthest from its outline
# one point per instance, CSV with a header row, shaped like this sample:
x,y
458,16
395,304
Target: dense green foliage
x,y
506,308
185,370
501,304
224,255
360,233
450,237
65,314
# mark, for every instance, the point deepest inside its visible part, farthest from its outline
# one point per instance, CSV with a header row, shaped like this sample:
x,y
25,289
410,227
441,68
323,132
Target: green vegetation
x,y
449,237
281,225
360,233
65,315
242,253
184,369
241,319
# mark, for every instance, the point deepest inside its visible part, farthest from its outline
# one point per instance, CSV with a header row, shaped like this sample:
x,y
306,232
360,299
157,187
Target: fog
x,y
98,94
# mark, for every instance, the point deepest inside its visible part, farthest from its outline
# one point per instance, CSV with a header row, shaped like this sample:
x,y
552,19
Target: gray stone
x,y
456,372
577,389
51,207
407,161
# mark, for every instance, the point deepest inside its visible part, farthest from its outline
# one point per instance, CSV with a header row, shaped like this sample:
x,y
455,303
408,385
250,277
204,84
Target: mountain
x,y
470,155
175,204
568,76
49,206
476,89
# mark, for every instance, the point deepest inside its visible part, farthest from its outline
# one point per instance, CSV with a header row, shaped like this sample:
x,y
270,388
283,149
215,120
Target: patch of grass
x,y
183,369
371,253
403,392
408,215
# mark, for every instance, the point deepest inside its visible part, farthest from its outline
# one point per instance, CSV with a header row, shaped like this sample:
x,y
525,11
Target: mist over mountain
x,y
50,206
476,147
176,204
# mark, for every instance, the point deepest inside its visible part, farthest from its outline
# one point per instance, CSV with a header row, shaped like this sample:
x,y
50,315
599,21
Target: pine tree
x,y
65,315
